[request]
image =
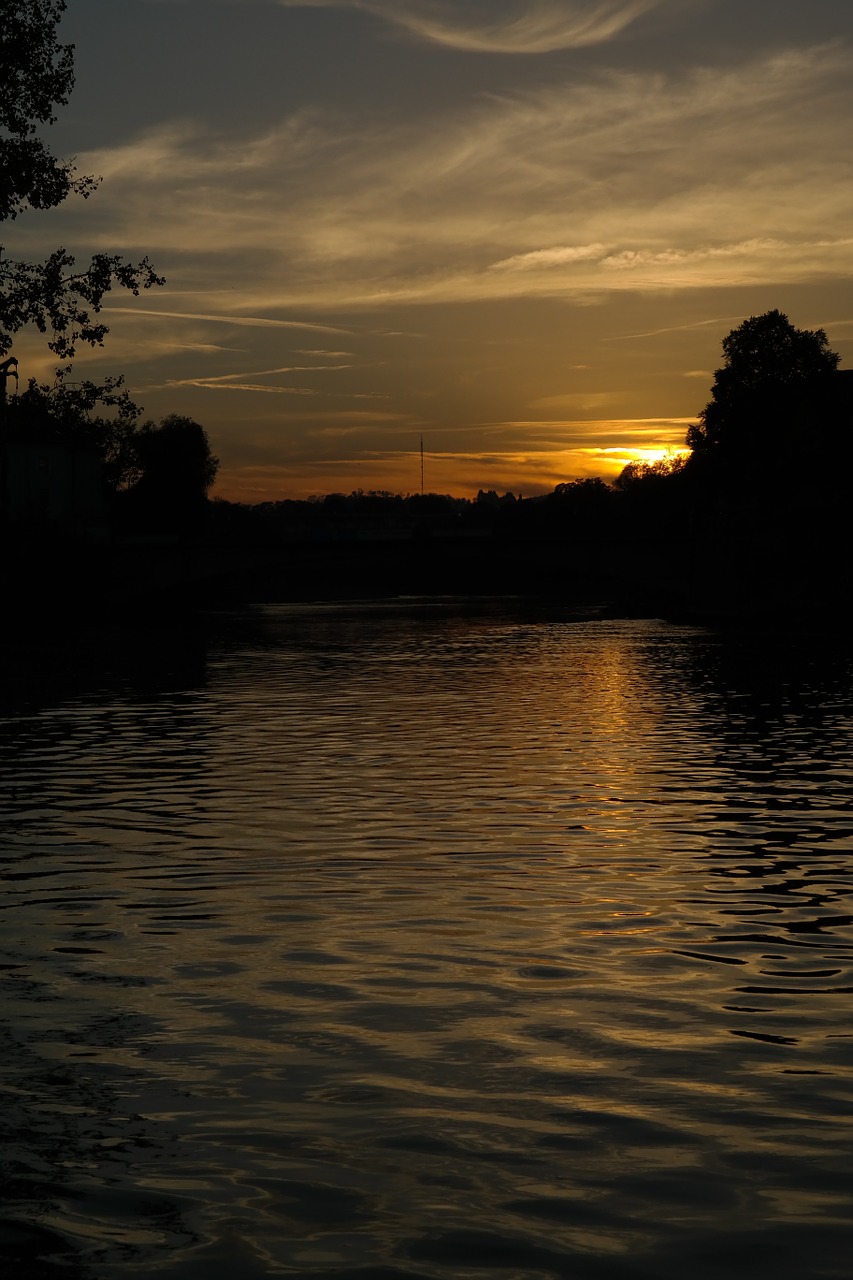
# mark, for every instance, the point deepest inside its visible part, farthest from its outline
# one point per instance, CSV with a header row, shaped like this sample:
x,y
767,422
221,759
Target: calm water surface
x,y
422,941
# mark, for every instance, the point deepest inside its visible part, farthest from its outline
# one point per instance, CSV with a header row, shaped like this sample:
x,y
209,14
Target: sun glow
x,y
614,460
653,454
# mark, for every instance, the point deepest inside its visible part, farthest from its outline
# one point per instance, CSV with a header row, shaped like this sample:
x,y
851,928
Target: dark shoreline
x,y
51,584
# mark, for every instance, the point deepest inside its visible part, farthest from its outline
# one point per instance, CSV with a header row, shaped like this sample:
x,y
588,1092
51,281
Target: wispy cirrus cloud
x,y
268,373
320,352
666,181
222,317
502,26
214,384
239,381
638,259
596,433
558,256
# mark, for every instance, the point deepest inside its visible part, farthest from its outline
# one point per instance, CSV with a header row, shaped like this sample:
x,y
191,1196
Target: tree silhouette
x,y
768,363
649,473
37,75
99,416
176,468
765,483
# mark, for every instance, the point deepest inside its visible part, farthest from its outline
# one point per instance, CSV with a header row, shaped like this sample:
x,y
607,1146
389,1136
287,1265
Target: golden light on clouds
x,y
649,171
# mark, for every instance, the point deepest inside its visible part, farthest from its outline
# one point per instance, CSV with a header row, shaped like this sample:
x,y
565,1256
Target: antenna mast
x,y
422,465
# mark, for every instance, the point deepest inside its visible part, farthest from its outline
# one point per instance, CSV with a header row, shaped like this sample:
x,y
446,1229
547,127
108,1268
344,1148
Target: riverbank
x,y
55,581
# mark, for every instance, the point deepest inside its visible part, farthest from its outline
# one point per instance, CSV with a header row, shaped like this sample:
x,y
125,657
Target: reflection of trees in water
x,y
138,659
77,710
66,1130
89,732
778,818
770,701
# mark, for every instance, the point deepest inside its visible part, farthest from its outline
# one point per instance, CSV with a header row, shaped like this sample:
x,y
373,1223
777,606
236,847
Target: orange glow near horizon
x,y
646,456
461,475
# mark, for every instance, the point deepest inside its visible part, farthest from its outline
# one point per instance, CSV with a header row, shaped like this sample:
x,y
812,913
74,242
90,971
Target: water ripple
x,y
412,942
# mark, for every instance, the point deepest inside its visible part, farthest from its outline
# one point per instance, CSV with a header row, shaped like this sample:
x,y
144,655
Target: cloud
x,y
583,400
677,181
213,384
237,381
319,351
290,368
502,26
215,317
708,322
630,259
599,434
537,259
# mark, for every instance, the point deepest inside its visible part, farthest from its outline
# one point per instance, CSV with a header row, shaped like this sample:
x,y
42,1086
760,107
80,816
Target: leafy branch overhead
x,y
50,296
37,74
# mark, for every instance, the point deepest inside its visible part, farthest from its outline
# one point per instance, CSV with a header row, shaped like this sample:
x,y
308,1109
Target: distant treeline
x,y
755,513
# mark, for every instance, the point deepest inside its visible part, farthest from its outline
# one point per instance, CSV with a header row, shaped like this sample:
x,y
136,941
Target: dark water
x,y
424,942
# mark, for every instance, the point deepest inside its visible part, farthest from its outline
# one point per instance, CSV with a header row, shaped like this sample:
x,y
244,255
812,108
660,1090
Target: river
x,y
427,939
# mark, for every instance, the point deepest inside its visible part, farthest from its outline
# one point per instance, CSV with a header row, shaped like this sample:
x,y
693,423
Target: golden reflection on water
x,y
438,942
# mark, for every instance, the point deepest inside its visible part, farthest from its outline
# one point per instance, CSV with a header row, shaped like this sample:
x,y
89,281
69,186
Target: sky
x,y
517,230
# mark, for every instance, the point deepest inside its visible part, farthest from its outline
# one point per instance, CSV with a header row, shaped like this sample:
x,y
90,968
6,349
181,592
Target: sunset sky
x,y
518,228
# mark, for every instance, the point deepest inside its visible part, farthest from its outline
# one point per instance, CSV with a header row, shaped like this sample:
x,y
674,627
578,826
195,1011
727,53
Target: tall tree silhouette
x,y
767,514
768,364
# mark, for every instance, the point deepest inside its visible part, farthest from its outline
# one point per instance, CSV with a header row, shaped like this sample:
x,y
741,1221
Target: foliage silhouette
x,y
175,468
37,74
766,360
649,473
175,455
65,414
